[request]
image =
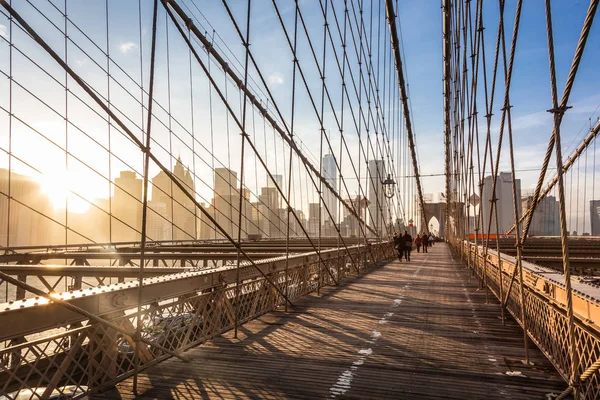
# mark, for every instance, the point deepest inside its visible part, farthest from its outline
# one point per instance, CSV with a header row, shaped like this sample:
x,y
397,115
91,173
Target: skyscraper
x,y
378,209
546,219
595,217
504,202
268,218
180,209
277,179
127,208
329,200
227,200
313,219
28,222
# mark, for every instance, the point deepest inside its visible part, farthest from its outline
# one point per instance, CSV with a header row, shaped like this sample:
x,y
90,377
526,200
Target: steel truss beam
x,y
34,315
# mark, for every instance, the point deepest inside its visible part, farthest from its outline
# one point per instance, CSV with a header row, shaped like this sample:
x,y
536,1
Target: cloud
x,y
276,79
3,31
127,47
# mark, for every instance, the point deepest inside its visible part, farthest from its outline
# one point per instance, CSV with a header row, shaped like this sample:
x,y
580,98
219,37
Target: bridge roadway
x,y
406,330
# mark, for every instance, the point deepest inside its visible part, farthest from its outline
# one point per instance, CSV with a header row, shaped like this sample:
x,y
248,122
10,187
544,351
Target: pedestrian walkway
x,y
407,330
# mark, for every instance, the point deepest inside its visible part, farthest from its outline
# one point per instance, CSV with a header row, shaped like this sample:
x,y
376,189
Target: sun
x,y
59,186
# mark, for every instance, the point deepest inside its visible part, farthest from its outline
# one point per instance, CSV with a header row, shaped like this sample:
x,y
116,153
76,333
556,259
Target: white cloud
x,y
127,47
276,79
3,31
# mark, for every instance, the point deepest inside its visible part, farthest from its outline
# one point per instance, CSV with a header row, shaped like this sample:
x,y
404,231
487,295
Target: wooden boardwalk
x,y
404,331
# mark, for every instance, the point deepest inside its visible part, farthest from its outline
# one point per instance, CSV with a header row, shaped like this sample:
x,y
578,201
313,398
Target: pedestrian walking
x,y
425,242
418,243
399,245
407,240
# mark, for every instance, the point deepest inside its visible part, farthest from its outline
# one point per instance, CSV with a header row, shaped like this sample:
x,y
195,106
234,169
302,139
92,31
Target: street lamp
x,y
388,187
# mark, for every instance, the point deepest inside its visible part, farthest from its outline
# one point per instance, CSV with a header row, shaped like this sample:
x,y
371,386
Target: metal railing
x,y
46,345
545,308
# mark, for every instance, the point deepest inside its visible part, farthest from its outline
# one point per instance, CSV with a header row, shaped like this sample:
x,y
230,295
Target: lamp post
x,y
388,191
388,186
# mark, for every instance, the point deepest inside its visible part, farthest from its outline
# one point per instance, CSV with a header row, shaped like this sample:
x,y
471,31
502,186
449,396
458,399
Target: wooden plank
x,y
406,330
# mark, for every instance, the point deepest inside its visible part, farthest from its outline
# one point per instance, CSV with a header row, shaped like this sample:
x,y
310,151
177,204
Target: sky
x,y
191,121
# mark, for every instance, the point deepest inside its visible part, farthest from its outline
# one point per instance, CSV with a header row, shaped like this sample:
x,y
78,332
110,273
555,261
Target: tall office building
x,y
313,219
158,226
350,225
504,201
329,200
28,222
595,217
226,200
277,179
546,218
180,209
378,209
268,218
127,208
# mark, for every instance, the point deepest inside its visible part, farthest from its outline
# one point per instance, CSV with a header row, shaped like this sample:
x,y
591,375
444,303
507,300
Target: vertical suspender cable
x,y
146,151
244,134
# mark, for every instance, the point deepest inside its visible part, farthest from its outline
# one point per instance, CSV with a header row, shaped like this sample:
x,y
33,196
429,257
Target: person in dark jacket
x,y
425,242
407,241
398,245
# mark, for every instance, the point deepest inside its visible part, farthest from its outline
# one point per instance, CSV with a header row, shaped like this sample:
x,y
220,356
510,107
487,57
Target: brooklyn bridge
x,y
299,199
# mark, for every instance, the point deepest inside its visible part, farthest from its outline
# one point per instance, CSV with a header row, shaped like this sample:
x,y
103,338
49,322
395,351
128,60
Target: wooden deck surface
x,y
416,330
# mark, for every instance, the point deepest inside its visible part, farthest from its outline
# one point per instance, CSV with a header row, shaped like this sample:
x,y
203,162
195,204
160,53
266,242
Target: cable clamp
x,y
559,110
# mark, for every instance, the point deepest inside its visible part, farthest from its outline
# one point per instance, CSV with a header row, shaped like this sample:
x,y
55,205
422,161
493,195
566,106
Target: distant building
x,y
504,201
268,218
180,209
277,179
297,228
28,222
207,228
546,218
329,200
127,208
378,207
313,219
158,226
350,225
226,201
595,217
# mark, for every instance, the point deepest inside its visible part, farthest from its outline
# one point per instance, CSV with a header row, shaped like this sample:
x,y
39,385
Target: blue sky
x,y
217,143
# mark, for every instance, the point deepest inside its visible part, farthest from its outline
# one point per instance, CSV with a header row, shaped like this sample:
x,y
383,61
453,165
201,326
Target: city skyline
x,y
175,217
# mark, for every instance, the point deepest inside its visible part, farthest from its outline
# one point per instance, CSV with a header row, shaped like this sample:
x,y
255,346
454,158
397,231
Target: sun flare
x,y
60,187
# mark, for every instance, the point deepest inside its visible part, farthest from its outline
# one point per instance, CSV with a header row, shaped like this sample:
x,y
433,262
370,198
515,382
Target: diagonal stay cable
x,y
247,138
101,104
206,43
587,25
391,17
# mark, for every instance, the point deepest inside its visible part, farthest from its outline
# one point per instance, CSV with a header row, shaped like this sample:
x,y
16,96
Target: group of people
x,y
404,243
